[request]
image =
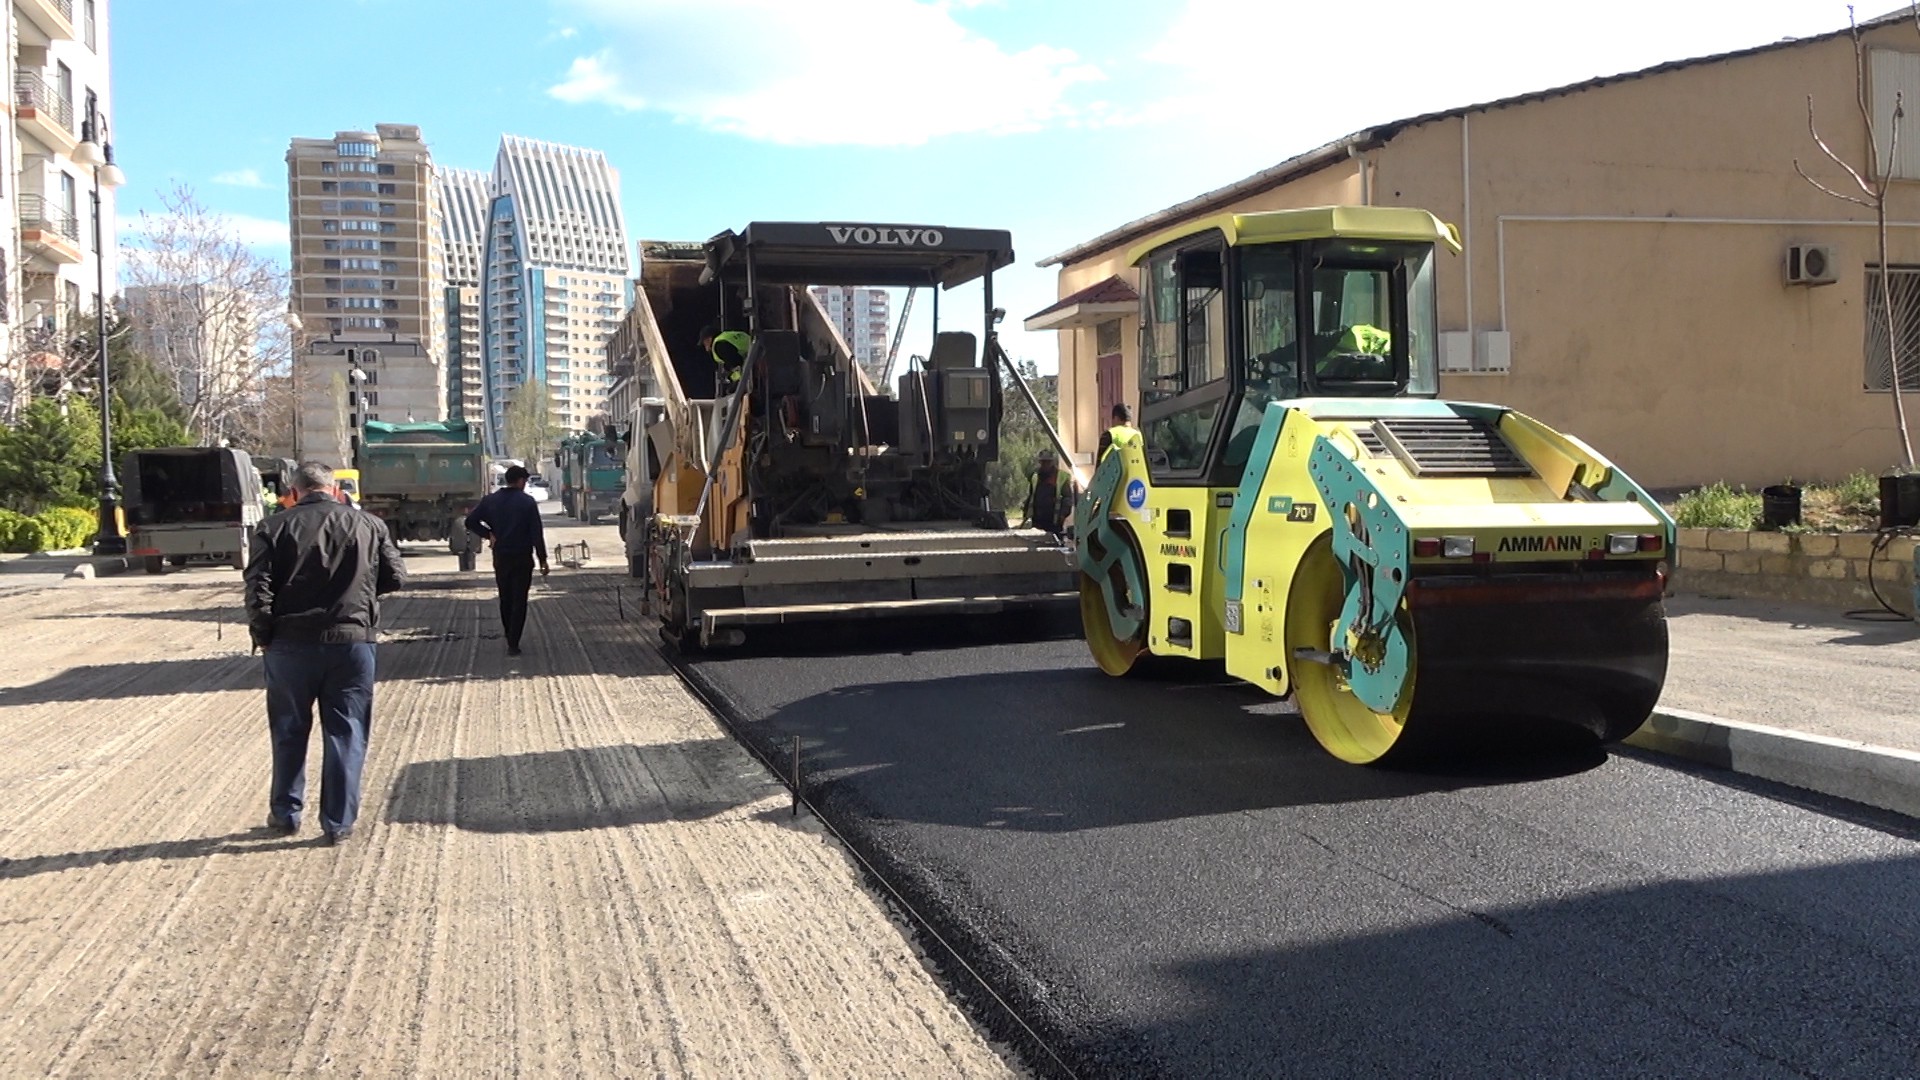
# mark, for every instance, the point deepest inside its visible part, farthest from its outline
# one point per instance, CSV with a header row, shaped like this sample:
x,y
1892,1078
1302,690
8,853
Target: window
x,y
328,187
1183,357
1904,283
355,149
357,186
1106,338
388,189
69,195
90,25
327,167
384,170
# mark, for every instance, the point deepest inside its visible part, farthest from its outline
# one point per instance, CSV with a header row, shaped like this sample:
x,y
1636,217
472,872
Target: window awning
x,y
1096,303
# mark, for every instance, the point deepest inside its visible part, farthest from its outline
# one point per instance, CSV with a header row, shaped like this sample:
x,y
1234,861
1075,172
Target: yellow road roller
x,y
1298,503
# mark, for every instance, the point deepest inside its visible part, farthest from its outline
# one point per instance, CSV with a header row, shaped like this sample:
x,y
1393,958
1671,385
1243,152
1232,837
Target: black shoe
x,y
335,839
513,650
283,826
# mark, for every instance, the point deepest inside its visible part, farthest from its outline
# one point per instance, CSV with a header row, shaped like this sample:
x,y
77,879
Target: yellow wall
x,y
1668,341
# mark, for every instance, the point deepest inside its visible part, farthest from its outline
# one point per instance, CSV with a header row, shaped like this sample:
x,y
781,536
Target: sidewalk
x,y
1799,695
563,866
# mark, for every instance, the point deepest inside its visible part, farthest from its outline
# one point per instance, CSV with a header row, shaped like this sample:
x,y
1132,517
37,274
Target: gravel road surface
x,y
564,866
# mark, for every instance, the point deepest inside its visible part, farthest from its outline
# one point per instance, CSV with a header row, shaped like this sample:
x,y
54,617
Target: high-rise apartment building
x,y
554,280
863,316
368,272
462,196
58,67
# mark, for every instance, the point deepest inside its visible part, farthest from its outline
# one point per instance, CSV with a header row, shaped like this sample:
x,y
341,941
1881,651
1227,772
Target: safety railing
x,y
32,91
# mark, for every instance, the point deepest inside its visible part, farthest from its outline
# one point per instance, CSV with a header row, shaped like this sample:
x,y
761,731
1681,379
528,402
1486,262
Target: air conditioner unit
x,y
1810,264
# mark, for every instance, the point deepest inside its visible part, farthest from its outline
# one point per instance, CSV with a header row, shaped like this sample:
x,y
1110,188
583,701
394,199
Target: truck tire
x,y
239,560
176,560
468,560
156,565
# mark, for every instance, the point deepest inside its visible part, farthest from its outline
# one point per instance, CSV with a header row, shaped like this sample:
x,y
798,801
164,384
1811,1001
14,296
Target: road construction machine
x,y
1300,506
799,494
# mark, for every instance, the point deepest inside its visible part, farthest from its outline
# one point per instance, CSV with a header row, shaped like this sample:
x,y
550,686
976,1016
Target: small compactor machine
x,y
1301,506
788,489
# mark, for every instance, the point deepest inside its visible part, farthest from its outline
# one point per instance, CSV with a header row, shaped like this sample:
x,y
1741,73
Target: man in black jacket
x,y
509,521
314,580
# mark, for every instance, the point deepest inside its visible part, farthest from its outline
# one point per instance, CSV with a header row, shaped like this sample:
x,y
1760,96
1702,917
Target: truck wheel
x,y
239,560
468,560
156,565
176,560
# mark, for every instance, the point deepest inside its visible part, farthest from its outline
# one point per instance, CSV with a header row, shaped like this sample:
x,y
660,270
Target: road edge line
x,y
1877,776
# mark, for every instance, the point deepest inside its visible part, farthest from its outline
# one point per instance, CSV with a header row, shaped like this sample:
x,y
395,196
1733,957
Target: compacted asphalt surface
x,y
1170,878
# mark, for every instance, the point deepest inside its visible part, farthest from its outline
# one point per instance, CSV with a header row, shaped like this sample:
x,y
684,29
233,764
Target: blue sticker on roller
x,y
1136,493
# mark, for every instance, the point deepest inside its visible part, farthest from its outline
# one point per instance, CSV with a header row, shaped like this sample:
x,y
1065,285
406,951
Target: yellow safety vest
x,y
1122,435
741,343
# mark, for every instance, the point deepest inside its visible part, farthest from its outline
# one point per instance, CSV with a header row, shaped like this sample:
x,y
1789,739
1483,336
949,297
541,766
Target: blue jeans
x,y
340,679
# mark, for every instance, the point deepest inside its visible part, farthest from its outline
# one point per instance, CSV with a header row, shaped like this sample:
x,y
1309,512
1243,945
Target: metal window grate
x,y
1904,285
1453,446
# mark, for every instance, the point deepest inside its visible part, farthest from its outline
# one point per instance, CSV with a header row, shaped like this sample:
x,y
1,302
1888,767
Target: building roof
x,y
1374,137
1112,296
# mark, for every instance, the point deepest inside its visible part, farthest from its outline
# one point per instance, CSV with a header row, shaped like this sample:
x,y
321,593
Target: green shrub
x,y
1858,494
20,533
66,528
1718,506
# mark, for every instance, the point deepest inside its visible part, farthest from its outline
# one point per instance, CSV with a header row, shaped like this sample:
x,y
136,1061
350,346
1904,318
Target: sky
x,y
1056,119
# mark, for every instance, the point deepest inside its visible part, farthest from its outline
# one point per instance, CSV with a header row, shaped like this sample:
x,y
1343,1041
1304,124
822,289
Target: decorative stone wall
x,y
1814,568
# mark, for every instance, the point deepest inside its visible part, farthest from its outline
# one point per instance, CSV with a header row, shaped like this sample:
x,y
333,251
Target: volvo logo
x,y
886,235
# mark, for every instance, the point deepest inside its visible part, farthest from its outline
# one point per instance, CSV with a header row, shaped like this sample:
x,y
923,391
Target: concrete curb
x,y
1877,776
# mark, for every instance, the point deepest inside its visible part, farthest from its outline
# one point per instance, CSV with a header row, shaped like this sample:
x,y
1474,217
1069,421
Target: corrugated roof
x,y
1371,138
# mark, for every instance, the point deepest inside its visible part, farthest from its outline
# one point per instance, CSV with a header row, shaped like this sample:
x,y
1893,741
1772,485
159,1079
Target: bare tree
x,y
1873,196
528,425
208,312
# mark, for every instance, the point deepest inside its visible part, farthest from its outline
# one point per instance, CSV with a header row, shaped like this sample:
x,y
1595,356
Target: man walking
x,y
314,579
509,521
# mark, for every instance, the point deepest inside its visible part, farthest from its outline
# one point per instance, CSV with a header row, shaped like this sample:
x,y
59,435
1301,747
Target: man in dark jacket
x,y
314,580
509,521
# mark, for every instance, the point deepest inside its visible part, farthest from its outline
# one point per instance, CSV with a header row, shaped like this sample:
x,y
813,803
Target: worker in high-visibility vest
x,y
1049,495
1362,338
729,350
1122,433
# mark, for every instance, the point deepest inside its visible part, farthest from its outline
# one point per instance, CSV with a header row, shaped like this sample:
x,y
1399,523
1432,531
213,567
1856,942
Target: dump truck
x,y
422,479
1303,507
190,504
592,477
800,494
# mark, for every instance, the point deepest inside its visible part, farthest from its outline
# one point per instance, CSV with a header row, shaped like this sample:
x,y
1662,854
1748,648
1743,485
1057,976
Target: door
x,y
1107,388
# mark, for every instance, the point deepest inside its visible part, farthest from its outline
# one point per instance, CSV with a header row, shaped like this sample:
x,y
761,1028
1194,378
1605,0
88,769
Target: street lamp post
x,y
96,152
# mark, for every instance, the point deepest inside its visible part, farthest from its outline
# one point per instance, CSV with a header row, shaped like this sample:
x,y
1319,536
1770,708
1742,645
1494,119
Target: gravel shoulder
x,y
564,867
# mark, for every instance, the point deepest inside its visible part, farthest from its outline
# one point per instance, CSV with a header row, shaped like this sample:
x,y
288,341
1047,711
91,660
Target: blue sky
x,y
1057,119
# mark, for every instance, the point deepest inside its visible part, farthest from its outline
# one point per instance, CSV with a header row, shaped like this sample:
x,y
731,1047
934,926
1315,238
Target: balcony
x,y
48,230
43,113
45,21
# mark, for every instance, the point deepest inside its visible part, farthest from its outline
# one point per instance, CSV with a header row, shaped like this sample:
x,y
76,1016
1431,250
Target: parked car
x,y
537,488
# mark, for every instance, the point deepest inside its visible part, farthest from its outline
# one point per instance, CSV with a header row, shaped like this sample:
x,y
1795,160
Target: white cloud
x,y
240,178
1341,71
256,232
869,72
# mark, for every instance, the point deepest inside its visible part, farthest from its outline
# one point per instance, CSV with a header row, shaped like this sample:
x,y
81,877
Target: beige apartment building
x,y
50,243
367,272
1643,267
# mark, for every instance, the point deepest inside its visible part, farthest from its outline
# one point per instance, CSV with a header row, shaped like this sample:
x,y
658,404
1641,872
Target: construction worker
x,y
1122,433
729,350
1049,495
1362,338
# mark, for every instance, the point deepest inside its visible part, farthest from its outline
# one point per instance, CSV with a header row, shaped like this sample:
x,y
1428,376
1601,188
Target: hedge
x,y
59,529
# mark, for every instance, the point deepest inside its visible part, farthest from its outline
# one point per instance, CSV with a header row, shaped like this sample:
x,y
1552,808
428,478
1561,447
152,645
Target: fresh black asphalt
x,y
1170,878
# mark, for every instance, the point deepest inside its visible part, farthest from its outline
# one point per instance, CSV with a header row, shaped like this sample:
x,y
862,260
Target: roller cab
x,y
1305,511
